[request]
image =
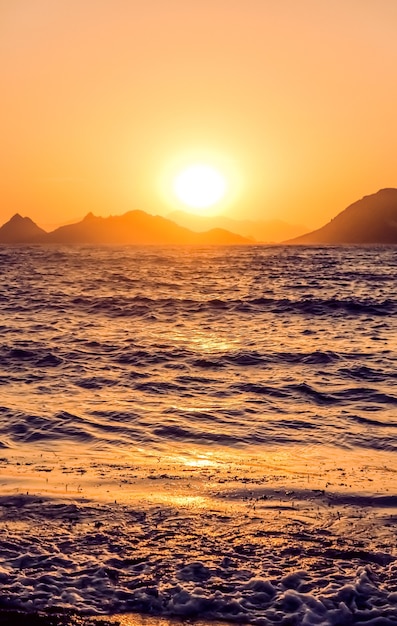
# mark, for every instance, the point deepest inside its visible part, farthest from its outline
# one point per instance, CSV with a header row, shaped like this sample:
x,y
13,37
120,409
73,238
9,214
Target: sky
x,y
104,102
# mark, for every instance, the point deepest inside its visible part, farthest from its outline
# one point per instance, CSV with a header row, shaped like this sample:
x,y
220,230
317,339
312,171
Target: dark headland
x,y
371,220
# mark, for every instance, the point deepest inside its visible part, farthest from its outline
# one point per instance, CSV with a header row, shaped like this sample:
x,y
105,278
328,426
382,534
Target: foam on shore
x,y
243,540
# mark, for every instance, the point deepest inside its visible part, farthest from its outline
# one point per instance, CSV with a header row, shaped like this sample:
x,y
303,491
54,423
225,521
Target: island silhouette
x,y
371,220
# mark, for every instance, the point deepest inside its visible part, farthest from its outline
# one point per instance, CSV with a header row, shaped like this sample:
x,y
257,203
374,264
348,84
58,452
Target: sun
x,y
199,186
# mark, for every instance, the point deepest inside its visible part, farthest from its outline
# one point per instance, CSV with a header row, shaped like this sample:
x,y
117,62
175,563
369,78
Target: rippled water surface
x,y
200,432
238,346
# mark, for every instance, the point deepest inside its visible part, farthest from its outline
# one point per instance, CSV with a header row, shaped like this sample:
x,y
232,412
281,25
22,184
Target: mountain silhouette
x,y
373,219
137,227
21,230
134,227
263,231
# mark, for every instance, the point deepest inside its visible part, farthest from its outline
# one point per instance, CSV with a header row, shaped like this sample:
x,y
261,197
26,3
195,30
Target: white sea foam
x,y
199,544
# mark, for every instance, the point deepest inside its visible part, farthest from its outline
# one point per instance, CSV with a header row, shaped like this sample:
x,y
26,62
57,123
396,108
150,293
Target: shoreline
x,y
20,618
188,536
67,618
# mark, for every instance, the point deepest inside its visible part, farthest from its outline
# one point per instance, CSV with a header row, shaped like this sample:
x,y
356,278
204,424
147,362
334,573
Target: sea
x,y
200,432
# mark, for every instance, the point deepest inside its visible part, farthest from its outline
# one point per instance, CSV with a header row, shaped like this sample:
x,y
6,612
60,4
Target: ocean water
x,y
214,430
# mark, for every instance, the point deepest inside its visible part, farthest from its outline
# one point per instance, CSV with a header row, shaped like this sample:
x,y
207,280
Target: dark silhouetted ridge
x,y
140,228
373,219
21,230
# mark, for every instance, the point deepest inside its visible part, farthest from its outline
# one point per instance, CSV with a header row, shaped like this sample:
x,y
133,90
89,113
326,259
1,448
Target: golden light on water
x,y
179,500
198,460
205,341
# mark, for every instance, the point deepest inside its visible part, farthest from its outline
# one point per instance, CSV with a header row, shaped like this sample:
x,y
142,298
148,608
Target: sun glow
x,y
199,186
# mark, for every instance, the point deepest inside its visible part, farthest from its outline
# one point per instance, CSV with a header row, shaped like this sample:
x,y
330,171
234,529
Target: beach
x,y
242,539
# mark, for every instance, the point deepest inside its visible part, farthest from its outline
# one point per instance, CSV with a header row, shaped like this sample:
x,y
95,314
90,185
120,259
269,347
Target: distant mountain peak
x,y
89,217
17,217
21,230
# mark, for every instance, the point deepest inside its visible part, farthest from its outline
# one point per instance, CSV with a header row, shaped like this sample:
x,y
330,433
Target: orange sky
x,y
100,99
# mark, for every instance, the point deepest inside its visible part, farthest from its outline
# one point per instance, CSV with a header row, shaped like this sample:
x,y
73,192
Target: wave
x,y
253,423
141,306
255,347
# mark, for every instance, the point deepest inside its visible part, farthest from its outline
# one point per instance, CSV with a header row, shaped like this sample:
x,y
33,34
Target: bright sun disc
x,y
199,186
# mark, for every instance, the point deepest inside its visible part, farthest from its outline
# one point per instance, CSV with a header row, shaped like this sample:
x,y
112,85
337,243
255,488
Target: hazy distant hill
x,y
373,219
21,230
137,227
264,231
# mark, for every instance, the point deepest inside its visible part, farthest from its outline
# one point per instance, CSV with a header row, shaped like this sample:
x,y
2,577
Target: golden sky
x,y
102,101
